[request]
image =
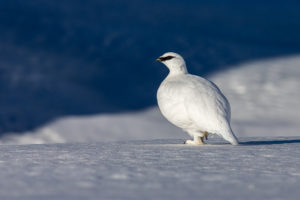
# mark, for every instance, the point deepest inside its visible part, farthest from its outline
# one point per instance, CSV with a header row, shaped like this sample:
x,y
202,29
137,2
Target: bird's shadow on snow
x,y
217,142
270,142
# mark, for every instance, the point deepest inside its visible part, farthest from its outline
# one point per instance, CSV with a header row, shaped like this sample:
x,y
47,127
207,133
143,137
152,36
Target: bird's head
x,y
174,62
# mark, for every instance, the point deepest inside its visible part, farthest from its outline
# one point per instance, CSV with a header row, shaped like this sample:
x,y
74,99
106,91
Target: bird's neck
x,y
181,69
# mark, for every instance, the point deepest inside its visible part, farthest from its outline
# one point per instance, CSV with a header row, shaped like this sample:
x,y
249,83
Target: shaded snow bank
x,y
264,97
148,124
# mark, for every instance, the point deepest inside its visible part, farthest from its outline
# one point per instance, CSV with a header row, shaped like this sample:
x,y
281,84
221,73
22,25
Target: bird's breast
x,y
171,105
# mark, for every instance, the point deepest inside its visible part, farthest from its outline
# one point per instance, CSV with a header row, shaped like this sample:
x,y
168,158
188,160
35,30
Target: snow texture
x,y
259,168
264,97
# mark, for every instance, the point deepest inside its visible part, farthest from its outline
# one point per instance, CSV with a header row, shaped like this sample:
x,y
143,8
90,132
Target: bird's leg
x,y
198,140
205,134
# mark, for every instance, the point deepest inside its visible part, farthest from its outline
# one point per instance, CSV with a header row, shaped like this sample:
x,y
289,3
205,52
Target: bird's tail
x,y
230,137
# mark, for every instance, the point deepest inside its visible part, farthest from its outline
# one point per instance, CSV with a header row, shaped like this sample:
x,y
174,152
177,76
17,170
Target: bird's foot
x,y
199,141
189,142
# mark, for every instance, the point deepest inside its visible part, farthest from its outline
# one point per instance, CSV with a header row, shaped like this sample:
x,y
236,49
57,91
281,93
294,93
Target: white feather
x,y
193,103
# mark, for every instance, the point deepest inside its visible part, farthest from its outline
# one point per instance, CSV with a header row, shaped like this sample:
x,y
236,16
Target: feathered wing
x,y
208,108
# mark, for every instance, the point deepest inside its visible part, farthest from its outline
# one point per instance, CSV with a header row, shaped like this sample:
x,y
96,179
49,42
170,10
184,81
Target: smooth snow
x,y
259,168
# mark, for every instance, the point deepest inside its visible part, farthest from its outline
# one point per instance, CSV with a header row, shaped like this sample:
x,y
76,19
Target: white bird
x,y
193,103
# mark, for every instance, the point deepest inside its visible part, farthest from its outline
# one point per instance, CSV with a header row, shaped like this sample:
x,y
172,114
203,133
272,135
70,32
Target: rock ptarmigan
x,y
193,103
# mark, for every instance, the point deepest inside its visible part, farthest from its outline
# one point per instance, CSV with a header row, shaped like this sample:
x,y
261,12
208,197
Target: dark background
x,y
80,57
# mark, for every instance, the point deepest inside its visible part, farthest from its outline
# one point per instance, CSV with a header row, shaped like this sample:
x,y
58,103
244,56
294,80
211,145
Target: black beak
x,y
159,59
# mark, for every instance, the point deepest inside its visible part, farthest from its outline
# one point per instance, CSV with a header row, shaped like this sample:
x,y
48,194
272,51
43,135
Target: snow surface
x,y
259,168
264,97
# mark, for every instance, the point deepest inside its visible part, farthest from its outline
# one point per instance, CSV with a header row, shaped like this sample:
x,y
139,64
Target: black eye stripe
x,y
166,58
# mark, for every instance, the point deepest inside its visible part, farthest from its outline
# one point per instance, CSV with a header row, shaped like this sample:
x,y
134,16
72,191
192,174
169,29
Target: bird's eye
x,y
166,58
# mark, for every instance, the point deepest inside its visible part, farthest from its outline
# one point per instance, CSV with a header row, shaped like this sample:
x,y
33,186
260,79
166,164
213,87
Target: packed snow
x,y
264,97
259,168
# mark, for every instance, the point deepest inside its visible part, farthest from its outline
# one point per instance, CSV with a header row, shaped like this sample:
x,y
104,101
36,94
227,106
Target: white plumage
x,y
193,103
